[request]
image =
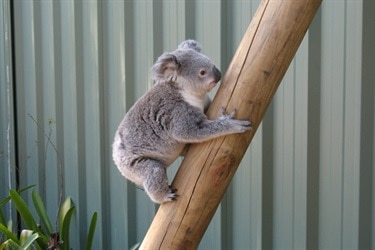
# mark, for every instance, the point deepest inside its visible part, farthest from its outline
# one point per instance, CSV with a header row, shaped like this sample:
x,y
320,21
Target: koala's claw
x,y
231,115
174,198
224,113
172,195
173,190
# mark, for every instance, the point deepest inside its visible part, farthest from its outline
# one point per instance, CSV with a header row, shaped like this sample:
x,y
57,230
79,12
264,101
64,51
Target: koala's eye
x,y
202,72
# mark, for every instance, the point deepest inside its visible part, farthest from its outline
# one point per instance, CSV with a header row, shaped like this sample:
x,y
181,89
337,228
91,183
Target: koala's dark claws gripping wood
x,y
173,190
172,196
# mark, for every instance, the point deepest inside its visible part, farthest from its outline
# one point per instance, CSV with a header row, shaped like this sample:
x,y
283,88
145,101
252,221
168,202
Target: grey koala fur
x,y
170,115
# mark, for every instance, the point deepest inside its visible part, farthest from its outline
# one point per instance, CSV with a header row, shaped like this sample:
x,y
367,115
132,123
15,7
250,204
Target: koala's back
x,y
145,130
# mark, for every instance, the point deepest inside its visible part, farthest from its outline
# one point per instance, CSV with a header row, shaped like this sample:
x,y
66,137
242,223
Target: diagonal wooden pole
x,y
253,76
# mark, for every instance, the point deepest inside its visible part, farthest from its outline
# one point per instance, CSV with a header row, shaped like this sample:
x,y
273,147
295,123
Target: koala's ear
x,y
190,44
165,68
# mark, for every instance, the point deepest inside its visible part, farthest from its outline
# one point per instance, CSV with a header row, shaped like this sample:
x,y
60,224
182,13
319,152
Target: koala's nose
x,y
217,74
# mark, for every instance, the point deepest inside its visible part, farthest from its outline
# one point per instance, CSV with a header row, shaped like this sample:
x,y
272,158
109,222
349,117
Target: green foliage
x,y
65,217
91,232
41,210
39,236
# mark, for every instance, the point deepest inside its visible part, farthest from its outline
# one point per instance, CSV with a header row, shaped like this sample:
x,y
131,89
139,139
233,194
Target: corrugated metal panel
x,y
7,149
307,180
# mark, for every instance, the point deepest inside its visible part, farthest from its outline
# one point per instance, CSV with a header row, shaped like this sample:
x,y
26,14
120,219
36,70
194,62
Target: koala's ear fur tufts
x,y
165,68
190,44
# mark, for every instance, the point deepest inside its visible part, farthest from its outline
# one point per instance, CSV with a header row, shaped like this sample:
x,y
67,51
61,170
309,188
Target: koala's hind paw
x,y
172,195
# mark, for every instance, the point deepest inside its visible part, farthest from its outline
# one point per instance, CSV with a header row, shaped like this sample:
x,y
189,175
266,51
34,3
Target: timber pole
x,y
257,68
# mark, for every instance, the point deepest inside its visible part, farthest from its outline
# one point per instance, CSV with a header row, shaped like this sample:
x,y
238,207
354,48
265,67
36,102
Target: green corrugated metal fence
x,y
75,67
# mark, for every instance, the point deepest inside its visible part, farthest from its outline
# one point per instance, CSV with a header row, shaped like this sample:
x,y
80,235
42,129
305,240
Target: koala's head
x,y
187,68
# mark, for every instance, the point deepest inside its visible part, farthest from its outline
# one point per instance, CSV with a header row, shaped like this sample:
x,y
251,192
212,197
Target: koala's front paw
x,y
238,126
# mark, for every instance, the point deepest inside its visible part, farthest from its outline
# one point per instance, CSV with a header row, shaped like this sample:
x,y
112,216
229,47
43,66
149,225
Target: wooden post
x,y
253,76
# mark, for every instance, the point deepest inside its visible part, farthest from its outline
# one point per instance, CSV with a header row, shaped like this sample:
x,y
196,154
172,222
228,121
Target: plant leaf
x,y
24,235
23,210
5,200
41,210
64,233
25,188
2,217
26,215
91,233
10,244
10,225
8,233
65,206
29,240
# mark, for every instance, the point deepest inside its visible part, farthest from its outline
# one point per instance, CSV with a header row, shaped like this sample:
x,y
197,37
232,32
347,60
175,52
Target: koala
x,y
156,129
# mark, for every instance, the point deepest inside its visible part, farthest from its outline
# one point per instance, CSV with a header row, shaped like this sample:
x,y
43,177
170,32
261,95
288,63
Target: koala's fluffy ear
x,y
190,44
165,68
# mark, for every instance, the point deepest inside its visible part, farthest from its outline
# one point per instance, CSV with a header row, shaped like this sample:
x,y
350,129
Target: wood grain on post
x,y
253,76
